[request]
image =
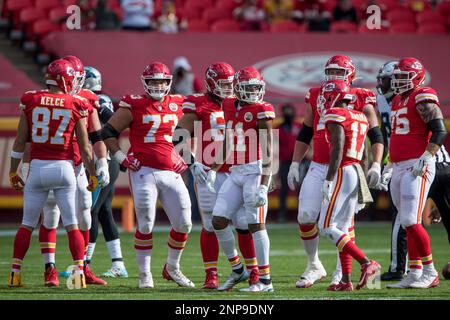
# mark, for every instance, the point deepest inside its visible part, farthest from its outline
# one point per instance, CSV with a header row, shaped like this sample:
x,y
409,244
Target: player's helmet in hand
x,y
219,79
331,92
151,80
408,74
340,62
79,73
60,73
93,79
384,77
249,85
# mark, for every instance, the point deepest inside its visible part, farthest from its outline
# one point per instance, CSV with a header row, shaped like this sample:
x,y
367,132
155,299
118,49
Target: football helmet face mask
x,y
93,79
384,79
332,92
79,73
156,80
219,79
407,75
249,85
60,73
343,64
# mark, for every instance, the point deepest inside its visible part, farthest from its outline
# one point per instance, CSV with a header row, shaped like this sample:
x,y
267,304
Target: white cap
x,y
181,62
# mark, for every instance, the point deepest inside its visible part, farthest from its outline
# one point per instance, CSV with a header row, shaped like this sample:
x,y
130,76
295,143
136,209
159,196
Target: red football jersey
x,y
242,121
355,126
92,102
152,129
51,121
409,134
321,152
211,115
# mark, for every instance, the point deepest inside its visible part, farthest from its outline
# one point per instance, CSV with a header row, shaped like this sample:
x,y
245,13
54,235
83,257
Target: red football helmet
x,y
408,74
80,74
60,73
219,79
331,92
156,71
249,85
341,62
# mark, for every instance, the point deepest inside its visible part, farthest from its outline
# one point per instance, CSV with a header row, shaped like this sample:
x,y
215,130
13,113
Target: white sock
x,y
144,260
338,263
429,267
114,249
312,248
173,258
262,248
90,251
49,257
227,241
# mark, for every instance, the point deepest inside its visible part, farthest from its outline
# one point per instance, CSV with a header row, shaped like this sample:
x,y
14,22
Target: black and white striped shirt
x,y
442,155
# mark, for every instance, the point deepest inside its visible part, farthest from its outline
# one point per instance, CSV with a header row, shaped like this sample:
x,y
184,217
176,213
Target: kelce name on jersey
x,y
50,101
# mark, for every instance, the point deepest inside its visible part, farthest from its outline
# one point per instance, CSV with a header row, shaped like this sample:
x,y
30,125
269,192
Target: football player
x,y
206,110
418,132
338,67
47,231
102,208
49,119
152,162
248,145
346,131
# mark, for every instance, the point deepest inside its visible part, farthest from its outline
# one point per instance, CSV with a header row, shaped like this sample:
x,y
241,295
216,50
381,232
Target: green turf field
x,y
287,261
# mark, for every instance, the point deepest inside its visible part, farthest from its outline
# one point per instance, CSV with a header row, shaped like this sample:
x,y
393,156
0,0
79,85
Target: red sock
x,y
247,248
86,234
21,245
346,262
177,240
76,246
414,244
143,241
346,245
209,247
47,240
308,231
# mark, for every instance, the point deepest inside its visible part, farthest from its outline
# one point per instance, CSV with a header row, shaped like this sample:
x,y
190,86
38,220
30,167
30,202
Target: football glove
x,y
374,175
385,178
327,190
293,177
129,161
16,181
211,180
420,166
93,183
103,172
261,196
199,171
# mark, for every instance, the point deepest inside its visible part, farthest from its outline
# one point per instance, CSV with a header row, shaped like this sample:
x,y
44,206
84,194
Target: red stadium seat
x,y
17,5
432,28
225,26
211,15
444,8
343,27
47,4
402,28
67,3
198,4
197,26
57,14
363,29
43,27
428,17
32,14
285,26
190,13
226,5
400,16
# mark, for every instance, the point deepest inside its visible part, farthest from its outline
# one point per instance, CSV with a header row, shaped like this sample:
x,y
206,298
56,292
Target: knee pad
x,y
85,220
184,227
146,228
306,217
408,221
207,223
51,216
240,222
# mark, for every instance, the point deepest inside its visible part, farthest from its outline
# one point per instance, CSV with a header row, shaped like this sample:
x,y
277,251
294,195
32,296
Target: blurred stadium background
x,y
288,40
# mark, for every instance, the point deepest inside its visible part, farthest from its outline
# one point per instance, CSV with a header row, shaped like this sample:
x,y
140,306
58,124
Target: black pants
x,y
440,193
102,211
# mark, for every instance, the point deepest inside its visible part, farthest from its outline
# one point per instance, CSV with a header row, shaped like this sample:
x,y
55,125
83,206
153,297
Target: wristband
x,y
119,156
16,155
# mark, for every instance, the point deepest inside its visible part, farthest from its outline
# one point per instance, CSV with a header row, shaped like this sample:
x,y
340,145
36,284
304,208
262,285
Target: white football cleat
x,y
233,280
314,272
258,287
429,279
177,276
406,282
336,277
145,280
